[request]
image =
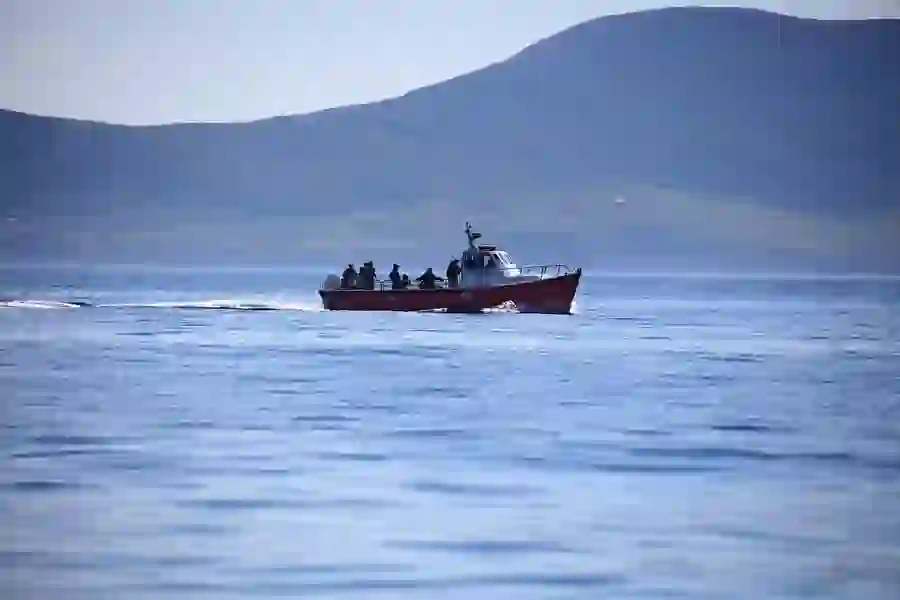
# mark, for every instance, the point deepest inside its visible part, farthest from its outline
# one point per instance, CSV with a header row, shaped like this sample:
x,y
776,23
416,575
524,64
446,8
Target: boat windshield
x,y
503,257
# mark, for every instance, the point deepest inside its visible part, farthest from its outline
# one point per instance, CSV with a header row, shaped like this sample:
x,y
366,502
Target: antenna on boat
x,y
472,235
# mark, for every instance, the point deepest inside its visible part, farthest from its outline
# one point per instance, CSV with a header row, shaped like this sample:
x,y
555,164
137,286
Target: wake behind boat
x,y
487,279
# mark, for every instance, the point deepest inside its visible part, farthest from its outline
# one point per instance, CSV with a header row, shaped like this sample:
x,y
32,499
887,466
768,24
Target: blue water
x,y
677,437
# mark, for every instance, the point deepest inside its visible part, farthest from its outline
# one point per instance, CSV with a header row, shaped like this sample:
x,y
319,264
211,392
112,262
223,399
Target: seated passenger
x,y
396,280
428,279
348,278
453,272
367,276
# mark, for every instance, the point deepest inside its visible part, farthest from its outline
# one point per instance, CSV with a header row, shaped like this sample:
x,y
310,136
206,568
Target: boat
x,y
488,279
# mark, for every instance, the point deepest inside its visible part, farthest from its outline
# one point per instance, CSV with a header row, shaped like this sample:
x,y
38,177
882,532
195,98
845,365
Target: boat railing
x,y
384,285
484,276
496,275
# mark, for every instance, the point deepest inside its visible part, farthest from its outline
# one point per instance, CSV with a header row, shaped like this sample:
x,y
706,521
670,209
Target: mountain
x,y
731,137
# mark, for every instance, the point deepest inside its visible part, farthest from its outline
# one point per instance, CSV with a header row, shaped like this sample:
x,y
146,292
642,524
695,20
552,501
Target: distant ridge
x,y
737,135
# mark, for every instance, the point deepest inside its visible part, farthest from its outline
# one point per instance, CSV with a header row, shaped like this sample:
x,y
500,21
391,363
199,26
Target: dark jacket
x,y
396,279
427,280
453,272
348,278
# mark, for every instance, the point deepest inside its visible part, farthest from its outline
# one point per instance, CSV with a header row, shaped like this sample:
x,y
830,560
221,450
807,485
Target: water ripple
x,y
352,456
47,486
488,547
472,489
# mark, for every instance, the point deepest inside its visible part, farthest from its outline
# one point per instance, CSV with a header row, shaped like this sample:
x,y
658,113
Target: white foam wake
x,y
228,304
39,304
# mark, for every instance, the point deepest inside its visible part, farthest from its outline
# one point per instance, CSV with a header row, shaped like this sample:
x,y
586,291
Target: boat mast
x,y
472,235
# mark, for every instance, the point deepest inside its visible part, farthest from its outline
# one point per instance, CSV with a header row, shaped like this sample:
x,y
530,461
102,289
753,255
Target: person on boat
x,y
367,276
396,279
428,279
348,278
405,282
453,272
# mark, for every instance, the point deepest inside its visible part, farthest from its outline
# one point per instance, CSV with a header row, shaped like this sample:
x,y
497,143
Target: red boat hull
x,y
553,296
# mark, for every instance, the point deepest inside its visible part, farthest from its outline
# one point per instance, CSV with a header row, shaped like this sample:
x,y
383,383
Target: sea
x,y
213,433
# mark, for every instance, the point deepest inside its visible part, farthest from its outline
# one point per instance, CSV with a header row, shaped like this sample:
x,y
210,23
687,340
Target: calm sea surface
x,y
678,437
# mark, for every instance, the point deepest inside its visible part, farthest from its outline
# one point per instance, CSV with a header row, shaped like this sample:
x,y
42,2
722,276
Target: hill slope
x,y
787,130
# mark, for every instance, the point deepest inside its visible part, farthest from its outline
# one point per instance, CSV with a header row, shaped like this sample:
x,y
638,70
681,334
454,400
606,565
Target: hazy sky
x,y
152,61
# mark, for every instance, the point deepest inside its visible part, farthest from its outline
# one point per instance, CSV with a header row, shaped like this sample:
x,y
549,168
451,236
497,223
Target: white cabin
x,y
488,265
